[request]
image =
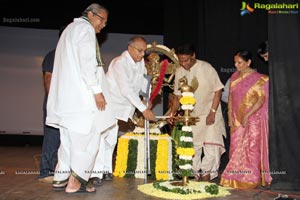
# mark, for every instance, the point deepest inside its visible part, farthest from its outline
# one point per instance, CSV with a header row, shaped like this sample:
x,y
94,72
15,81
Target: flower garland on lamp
x,y
185,146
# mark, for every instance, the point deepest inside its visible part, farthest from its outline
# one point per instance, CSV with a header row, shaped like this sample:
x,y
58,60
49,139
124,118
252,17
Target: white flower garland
x,y
142,130
186,166
188,94
185,157
186,128
187,107
186,139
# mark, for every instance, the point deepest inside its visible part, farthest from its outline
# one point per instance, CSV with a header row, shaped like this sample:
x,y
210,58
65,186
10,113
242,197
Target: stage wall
x,y
21,86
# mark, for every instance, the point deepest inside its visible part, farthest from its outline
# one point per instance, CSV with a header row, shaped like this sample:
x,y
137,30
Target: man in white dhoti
x,y
126,79
78,101
207,133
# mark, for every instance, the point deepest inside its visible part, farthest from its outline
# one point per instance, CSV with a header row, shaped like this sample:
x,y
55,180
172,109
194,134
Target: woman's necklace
x,y
247,70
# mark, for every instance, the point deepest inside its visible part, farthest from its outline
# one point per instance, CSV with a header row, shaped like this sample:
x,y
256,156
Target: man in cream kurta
x,y
126,80
207,133
78,102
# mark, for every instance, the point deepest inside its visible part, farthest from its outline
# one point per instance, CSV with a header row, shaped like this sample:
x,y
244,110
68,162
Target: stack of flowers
x,y
141,130
187,101
184,149
130,156
187,104
184,137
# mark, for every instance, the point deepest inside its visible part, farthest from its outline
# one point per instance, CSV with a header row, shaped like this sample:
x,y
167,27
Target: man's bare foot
x,y
197,176
74,186
206,177
60,185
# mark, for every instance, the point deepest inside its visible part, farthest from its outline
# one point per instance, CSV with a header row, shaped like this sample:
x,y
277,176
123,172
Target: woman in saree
x,y
248,165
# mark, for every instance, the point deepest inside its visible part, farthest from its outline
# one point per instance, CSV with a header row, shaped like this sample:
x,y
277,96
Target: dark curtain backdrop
x,y
217,30
284,40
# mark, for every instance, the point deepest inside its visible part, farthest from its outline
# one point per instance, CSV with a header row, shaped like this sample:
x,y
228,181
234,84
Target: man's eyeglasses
x,y
101,18
139,50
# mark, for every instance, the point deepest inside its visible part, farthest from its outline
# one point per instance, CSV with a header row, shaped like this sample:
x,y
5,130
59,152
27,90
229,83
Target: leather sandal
x,y
95,181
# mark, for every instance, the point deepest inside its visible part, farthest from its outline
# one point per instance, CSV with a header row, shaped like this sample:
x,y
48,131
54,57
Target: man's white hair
x,y
94,8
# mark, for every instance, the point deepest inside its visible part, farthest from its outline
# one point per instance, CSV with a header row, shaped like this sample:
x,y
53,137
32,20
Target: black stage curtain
x,y
284,43
217,30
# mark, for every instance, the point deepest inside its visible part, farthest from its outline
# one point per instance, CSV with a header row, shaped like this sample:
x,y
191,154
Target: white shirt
x,y
126,79
225,93
75,79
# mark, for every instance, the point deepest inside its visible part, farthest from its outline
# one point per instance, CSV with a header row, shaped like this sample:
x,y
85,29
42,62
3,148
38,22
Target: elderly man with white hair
x,y
77,102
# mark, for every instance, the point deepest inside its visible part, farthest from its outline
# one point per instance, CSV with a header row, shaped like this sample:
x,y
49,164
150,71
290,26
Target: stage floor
x,y
19,171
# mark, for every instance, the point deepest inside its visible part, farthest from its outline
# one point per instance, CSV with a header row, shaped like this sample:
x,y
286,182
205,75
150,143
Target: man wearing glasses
x,y
126,79
78,100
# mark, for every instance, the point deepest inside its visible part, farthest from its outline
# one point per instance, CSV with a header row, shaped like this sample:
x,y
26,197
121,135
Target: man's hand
x,y
148,114
210,119
171,120
149,104
47,80
100,101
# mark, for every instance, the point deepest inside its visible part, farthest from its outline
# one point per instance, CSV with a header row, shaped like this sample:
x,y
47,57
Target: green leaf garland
x,y
132,158
153,153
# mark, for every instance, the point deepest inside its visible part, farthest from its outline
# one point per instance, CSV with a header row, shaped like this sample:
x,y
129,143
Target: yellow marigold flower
x,y
161,167
130,134
162,135
122,155
187,100
185,151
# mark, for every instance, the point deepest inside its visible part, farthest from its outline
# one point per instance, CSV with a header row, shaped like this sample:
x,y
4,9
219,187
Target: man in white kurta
x,y
207,133
126,80
78,102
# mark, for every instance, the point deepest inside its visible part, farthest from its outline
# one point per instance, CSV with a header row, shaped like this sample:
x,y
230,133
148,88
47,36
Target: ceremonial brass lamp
x,y
186,119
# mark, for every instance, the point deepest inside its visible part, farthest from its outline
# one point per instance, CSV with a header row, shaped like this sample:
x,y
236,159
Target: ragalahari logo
x,y
246,9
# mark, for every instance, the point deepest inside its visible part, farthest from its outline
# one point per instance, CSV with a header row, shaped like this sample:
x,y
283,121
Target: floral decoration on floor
x,y
130,156
194,190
